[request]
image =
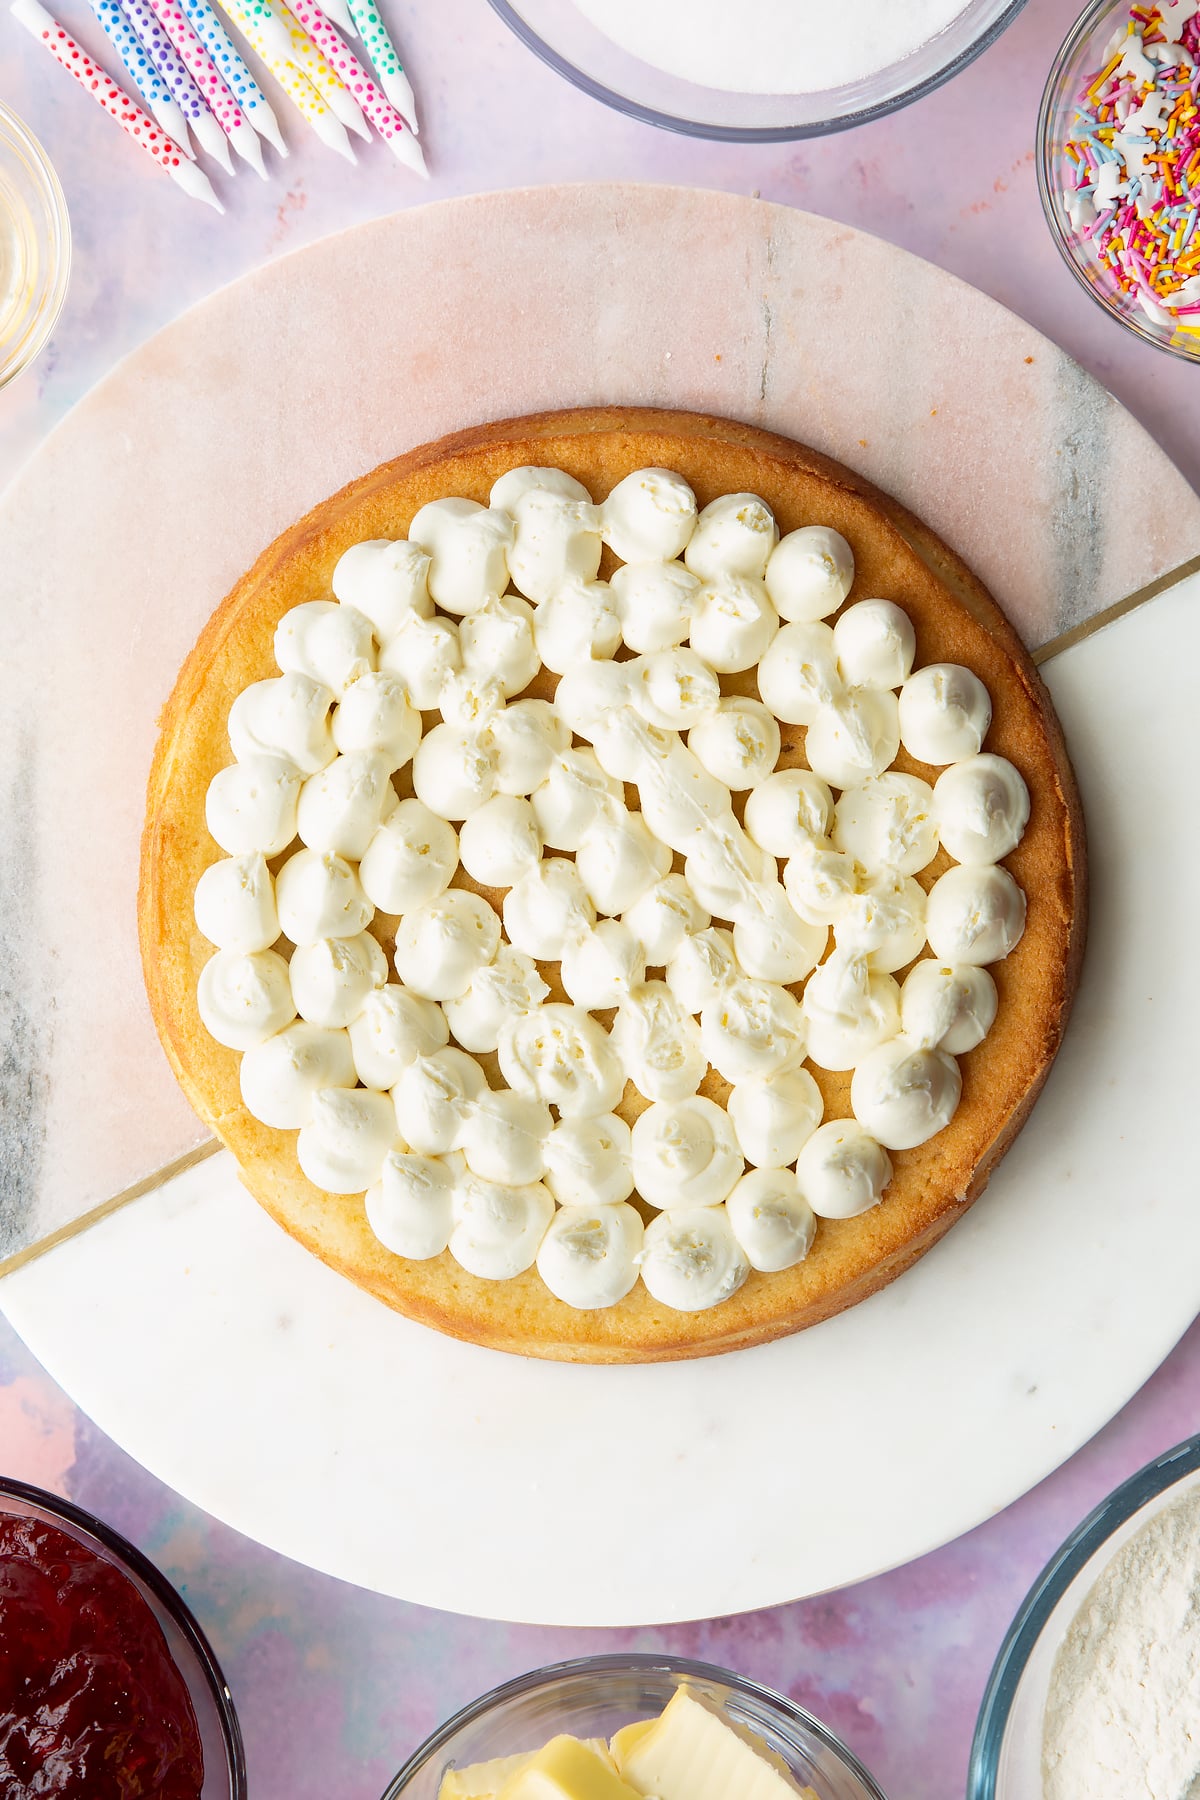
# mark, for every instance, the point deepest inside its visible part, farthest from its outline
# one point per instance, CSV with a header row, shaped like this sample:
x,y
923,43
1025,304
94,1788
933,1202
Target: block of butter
x,y
481,1781
484,1780
567,1770
690,1753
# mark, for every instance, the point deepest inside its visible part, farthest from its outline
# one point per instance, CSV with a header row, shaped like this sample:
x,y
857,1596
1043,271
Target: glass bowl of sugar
x,y
1093,1692
750,71
35,246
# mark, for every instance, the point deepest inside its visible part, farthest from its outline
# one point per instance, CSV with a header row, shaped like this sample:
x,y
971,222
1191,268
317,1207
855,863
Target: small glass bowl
x,y
220,1733
35,246
1081,54
558,32
1006,1754
595,1695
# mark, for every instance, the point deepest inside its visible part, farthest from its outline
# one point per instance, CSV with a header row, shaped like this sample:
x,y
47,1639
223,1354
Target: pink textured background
x,y
336,1686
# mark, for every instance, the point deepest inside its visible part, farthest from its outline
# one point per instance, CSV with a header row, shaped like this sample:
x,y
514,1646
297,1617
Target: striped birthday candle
x,y
142,72
249,95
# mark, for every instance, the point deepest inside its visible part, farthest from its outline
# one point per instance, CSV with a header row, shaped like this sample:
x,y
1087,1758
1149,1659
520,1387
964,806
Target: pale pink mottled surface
x,y
335,1685
951,179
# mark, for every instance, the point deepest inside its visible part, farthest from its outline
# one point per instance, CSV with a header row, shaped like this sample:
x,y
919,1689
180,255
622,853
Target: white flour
x,y
1122,1717
771,46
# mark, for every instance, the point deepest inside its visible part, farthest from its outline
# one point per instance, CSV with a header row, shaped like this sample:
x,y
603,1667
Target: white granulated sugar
x,y
1122,1718
771,46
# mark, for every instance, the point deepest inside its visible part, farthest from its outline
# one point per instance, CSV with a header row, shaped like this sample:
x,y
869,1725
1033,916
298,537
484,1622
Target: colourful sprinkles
x,y
1132,176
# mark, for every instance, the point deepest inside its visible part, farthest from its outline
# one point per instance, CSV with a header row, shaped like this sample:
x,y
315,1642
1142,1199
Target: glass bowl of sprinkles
x,y
1119,164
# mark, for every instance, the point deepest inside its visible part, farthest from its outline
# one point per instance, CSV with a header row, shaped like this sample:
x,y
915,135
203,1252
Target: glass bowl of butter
x,y
625,1727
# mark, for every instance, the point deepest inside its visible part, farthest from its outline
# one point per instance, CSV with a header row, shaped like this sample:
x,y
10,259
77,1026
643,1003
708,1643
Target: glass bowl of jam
x,y
108,1687
663,1725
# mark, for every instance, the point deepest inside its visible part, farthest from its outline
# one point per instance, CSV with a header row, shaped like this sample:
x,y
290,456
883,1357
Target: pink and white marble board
x,y
290,1404
136,515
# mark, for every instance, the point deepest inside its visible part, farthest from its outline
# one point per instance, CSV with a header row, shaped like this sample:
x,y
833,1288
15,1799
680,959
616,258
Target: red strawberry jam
x,y
91,1705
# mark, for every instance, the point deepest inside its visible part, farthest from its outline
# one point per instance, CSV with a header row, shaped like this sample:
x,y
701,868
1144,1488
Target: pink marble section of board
x,y
165,483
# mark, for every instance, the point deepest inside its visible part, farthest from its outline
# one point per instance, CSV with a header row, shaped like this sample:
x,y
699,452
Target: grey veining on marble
x,y
27,999
136,515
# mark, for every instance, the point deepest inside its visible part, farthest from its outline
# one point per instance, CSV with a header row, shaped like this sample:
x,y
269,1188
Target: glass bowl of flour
x,y
1094,1692
757,70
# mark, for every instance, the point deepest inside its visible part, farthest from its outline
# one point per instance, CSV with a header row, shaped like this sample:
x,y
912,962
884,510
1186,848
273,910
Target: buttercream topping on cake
x,y
608,816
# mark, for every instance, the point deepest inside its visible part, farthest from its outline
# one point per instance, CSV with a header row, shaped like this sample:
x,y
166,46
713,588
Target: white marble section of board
x,y
304,1413
140,511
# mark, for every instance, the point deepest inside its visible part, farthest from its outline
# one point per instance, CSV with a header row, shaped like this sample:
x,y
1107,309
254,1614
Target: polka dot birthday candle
x,y
204,72
298,88
138,66
170,65
136,124
293,42
383,53
249,95
375,104
339,13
